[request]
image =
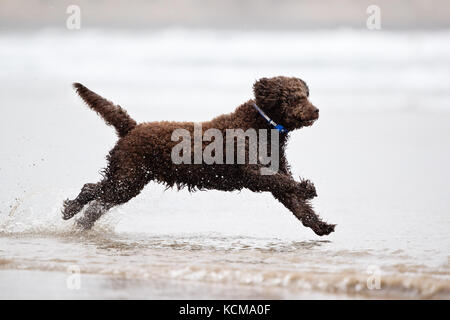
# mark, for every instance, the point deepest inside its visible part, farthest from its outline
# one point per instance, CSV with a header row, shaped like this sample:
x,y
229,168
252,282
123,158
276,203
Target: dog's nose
x,y
316,111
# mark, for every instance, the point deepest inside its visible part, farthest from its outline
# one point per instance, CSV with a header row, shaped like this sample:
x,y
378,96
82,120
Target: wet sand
x,y
23,284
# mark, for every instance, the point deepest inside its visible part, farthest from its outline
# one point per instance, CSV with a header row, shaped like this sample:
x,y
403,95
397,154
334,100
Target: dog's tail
x,y
113,114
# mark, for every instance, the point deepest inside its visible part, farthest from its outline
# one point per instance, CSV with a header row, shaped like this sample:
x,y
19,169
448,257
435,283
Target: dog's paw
x,y
323,228
313,221
306,189
84,223
70,208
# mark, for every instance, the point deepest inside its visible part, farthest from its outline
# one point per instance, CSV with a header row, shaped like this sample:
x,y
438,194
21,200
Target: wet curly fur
x,y
143,154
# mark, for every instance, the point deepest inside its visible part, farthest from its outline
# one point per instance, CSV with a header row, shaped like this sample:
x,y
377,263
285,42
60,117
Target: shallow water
x,y
378,156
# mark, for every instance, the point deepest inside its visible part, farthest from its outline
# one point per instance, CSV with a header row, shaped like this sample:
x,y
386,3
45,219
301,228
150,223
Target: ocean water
x,y
378,156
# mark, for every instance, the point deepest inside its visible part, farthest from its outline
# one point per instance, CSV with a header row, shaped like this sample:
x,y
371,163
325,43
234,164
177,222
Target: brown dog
x,y
144,153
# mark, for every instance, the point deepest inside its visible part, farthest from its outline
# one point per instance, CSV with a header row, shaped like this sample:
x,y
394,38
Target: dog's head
x,y
285,100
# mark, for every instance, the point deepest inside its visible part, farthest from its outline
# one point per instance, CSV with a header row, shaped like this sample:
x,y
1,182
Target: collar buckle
x,y
279,127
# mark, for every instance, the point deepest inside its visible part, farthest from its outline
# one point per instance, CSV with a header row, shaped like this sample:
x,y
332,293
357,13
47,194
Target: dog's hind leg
x,y
95,210
88,193
113,192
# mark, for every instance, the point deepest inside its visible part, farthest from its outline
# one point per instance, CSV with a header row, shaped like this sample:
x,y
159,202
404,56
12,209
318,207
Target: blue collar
x,y
279,127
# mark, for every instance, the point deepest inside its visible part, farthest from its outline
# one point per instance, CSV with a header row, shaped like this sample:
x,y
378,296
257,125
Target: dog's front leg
x,y
279,182
307,190
287,191
258,182
303,211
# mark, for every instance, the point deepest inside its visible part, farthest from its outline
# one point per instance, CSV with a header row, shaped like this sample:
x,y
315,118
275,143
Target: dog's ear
x,y
305,87
268,92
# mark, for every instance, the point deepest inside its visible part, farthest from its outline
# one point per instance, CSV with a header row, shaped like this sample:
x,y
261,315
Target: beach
x,y
378,156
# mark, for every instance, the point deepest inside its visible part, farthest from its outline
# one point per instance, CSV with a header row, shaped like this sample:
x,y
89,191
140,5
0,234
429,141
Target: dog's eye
x,y
296,99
